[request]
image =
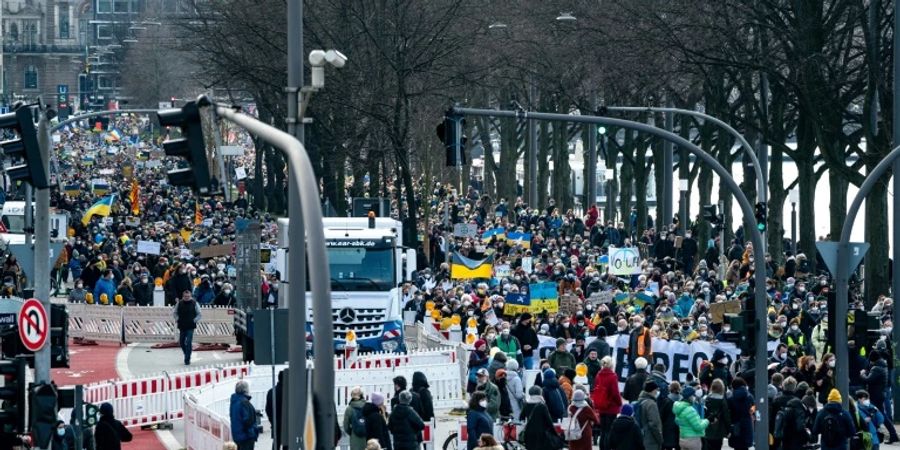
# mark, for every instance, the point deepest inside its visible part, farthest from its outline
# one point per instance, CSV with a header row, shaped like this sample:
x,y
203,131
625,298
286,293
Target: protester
x,y
666,402
834,425
109,433
583,417
405,424
650,422
491,392
477,419
420,388
739,405
478,360
245,426
868,419
515,389
354,423
719,416
627,433
635,382
375,417
275,397
187,315
554,396
690,425
606,398
538,431
63,437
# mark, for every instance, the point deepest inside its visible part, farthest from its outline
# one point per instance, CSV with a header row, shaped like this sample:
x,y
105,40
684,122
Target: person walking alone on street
x,y
187,314
109,434
244,425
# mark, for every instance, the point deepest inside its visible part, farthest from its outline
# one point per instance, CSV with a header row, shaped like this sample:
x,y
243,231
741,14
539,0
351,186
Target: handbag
x,y
574,433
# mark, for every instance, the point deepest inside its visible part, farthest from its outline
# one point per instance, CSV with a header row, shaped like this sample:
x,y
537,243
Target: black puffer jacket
x,y
420,387
634,385
538,424
405,426
376,426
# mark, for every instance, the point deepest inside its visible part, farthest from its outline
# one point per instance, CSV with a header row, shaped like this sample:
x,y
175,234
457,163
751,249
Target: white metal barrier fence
x,y
149,324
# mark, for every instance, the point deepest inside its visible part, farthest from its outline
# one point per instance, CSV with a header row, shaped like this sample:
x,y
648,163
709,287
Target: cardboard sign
x,y
212,251
148,247
132,222
528,264
717,311
502,271
624,261
465,230
602,297
569,304
240,173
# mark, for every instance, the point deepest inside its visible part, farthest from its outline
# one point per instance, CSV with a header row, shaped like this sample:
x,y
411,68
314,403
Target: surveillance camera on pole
x,y
318,59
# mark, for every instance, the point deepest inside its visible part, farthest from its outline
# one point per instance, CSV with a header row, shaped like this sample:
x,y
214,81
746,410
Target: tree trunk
x,y
374,175
877,277
484,136
838,203
806,220
775,225
704,188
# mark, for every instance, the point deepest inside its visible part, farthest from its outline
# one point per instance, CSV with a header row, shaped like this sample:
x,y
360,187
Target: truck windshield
x,y
361,269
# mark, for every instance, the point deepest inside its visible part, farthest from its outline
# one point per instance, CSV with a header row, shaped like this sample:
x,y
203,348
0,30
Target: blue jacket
x,y
554,396
845,422
107,287
243,419
478,422
870,412
204,294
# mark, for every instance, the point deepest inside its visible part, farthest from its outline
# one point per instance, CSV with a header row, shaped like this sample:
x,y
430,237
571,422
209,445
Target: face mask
x,y
483,403
864,402
470,313
227,291
831,363
491,336
504,332
795,327
60,431
726,329
723,361
703,333
220,266
565,324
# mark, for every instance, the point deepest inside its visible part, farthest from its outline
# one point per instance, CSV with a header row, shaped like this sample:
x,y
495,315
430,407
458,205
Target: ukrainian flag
x,y
72,190
516,238
621,298
101,208
499,233
642,299
462,268
100,189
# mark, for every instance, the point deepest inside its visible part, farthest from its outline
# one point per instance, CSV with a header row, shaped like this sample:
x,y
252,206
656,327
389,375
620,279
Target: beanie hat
x,y
405,398
512,365
479,343
106,409
377,398
500,373
578,398
627,410
834,396
650,386
687,392
535,390
640,363
560,341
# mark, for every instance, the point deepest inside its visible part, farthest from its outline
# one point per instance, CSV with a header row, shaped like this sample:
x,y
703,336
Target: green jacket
x,y
690,425
356,442
510,346
493,399
560,360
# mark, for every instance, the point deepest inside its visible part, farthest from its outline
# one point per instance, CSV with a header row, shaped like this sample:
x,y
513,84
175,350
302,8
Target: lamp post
x,y
610,179
682,215
794,197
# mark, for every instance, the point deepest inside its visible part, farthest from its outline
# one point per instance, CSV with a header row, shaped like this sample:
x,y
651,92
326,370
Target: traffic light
x,y
709,214
34,170
92,413
760,215
190,146
743,330
452,133
59,336
865,329
12,396
43,413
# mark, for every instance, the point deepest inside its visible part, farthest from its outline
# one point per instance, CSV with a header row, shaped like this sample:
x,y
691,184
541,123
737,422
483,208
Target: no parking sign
x,y
34,325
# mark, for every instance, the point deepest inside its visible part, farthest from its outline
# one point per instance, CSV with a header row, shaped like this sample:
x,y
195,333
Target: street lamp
x,y
683,186
610,176
794,197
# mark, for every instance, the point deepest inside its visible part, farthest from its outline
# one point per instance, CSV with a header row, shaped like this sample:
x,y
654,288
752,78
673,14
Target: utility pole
x,y
42,250
297,394
895,248
668,169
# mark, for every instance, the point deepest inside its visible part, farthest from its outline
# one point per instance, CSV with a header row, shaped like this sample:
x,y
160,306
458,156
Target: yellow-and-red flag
x,y
198,215
135,198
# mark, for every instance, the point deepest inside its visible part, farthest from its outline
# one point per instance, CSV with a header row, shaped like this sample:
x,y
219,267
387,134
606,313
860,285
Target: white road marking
x,y
168,440
122,362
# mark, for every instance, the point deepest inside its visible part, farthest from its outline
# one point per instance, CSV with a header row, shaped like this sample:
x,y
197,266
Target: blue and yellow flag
x,y
517,238
72,190
462,268
621,298
101,208
100,189
499,233
643,298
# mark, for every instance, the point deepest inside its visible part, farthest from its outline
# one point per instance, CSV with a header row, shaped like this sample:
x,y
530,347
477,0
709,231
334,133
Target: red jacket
x,y
606,396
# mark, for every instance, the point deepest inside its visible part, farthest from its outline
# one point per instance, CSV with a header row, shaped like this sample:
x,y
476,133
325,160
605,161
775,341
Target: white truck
x,y
368,263
14,220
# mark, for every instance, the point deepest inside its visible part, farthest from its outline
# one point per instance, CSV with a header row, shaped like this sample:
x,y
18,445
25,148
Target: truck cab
x,y
368,263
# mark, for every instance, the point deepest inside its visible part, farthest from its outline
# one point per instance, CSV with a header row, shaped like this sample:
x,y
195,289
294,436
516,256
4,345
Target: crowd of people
x,y
712,403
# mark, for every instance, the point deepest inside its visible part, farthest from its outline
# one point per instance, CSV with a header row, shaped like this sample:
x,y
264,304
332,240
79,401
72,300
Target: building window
x,y
104,6
63,22
13,32
104,83
120,6
30,32
31,77
104,31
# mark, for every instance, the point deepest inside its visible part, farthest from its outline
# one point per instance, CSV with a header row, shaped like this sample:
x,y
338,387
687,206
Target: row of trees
x,y
811,72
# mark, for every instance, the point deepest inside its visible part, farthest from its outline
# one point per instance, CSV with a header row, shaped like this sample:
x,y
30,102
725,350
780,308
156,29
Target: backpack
x,y
637,414
779,424
832,435
357,422
574,433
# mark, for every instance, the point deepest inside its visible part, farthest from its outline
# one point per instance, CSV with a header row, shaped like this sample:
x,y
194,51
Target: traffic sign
x,y
34,326
828,250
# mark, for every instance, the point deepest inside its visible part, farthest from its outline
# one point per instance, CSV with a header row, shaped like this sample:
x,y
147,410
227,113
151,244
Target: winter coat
x,y
560,361
554,397
822,390
276,396
243,419
876,419
593,366
110,433
516,392
690,425
634,385
405,425
719,416
845,423
566,385
376,426
143,294
651,423
478,422
605,394
204,294
477,360
586,421
526,336
660,379
876,382
667,415
107,287
505,409
537,424
627,434
795,429
420,387
356,442
493,399
739,404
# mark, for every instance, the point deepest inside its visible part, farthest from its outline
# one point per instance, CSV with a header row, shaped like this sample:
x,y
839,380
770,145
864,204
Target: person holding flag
x,y
103,207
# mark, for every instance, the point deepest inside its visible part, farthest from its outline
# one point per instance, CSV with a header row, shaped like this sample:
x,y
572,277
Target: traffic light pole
x,y
42,251
842,284
111,112
308,212
759,276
